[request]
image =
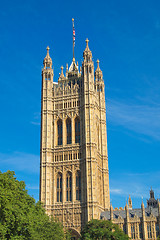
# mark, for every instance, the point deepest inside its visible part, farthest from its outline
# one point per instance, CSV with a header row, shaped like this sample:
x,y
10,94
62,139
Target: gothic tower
x,y
74,178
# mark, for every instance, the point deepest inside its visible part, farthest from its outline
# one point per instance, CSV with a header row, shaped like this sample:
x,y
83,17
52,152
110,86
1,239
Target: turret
x,y
88,66
99,83
47,71
98,73
47,62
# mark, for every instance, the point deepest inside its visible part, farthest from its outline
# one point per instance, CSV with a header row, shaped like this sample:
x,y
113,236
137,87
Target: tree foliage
x,y
102,230
20,216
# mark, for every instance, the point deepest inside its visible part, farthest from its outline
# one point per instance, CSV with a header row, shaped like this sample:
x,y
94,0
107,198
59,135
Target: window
x,y
157,229
69,187
59,125
98,136
149,230
77,130
59,187
140,231
78,186
124,228
133,236
69,131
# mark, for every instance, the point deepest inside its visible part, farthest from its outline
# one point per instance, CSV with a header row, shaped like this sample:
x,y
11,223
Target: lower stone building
x,y
142,223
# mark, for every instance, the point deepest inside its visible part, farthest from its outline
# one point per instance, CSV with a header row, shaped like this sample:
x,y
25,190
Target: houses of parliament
x,y
74,176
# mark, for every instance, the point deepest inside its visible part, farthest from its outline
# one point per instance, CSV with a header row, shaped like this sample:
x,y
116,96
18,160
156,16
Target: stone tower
x,y
74,178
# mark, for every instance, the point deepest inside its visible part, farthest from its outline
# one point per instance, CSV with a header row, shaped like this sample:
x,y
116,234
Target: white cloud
x,y
20,161
36,123
135,184
115,191
143,119
36,118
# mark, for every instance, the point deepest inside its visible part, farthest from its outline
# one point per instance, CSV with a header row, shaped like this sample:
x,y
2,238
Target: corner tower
x,y
74,179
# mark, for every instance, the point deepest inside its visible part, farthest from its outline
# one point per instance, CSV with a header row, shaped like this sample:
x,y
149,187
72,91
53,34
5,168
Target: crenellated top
x,y
47,62
67,87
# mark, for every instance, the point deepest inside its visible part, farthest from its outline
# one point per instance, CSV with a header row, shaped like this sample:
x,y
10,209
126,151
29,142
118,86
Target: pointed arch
x,y
59,187
78,185
77,130
59,131
68,186
69,131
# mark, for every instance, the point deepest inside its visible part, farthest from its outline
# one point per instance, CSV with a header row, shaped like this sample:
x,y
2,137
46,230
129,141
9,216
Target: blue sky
x,y
125,36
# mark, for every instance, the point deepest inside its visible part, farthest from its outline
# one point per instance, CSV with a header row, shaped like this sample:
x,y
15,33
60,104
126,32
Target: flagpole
x,y
73,36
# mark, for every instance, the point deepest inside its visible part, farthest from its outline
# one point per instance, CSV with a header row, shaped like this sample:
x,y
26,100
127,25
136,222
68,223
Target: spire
x,y
87,47
73,69
47,62
130,202
111,212
98,72
127,212
142,204
151,193
48,51
61,77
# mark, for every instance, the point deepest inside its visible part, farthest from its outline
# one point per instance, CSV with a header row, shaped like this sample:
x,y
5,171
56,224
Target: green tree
x,y
102,230
20,216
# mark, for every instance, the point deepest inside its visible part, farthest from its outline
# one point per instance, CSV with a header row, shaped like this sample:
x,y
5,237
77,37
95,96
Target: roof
x,y
132,213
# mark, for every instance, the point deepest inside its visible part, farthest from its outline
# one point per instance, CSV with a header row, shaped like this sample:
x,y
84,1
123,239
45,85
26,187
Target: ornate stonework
x,y
74,178
139,224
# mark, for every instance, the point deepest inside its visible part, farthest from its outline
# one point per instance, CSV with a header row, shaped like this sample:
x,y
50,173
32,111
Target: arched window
x,y
69,187
59,187
59,126
78,186
69,131
77,130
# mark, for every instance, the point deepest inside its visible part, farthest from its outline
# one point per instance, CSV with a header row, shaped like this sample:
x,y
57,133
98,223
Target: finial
x,y
67,67
97,63
87,42
47,50
72,19
61,70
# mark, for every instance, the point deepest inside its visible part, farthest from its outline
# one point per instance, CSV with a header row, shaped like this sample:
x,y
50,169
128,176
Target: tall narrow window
x,y
59,187
149,230
140,231
78,186
124,228
98,135
77,130
133,236
69,187
157,229
59,125
69,131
